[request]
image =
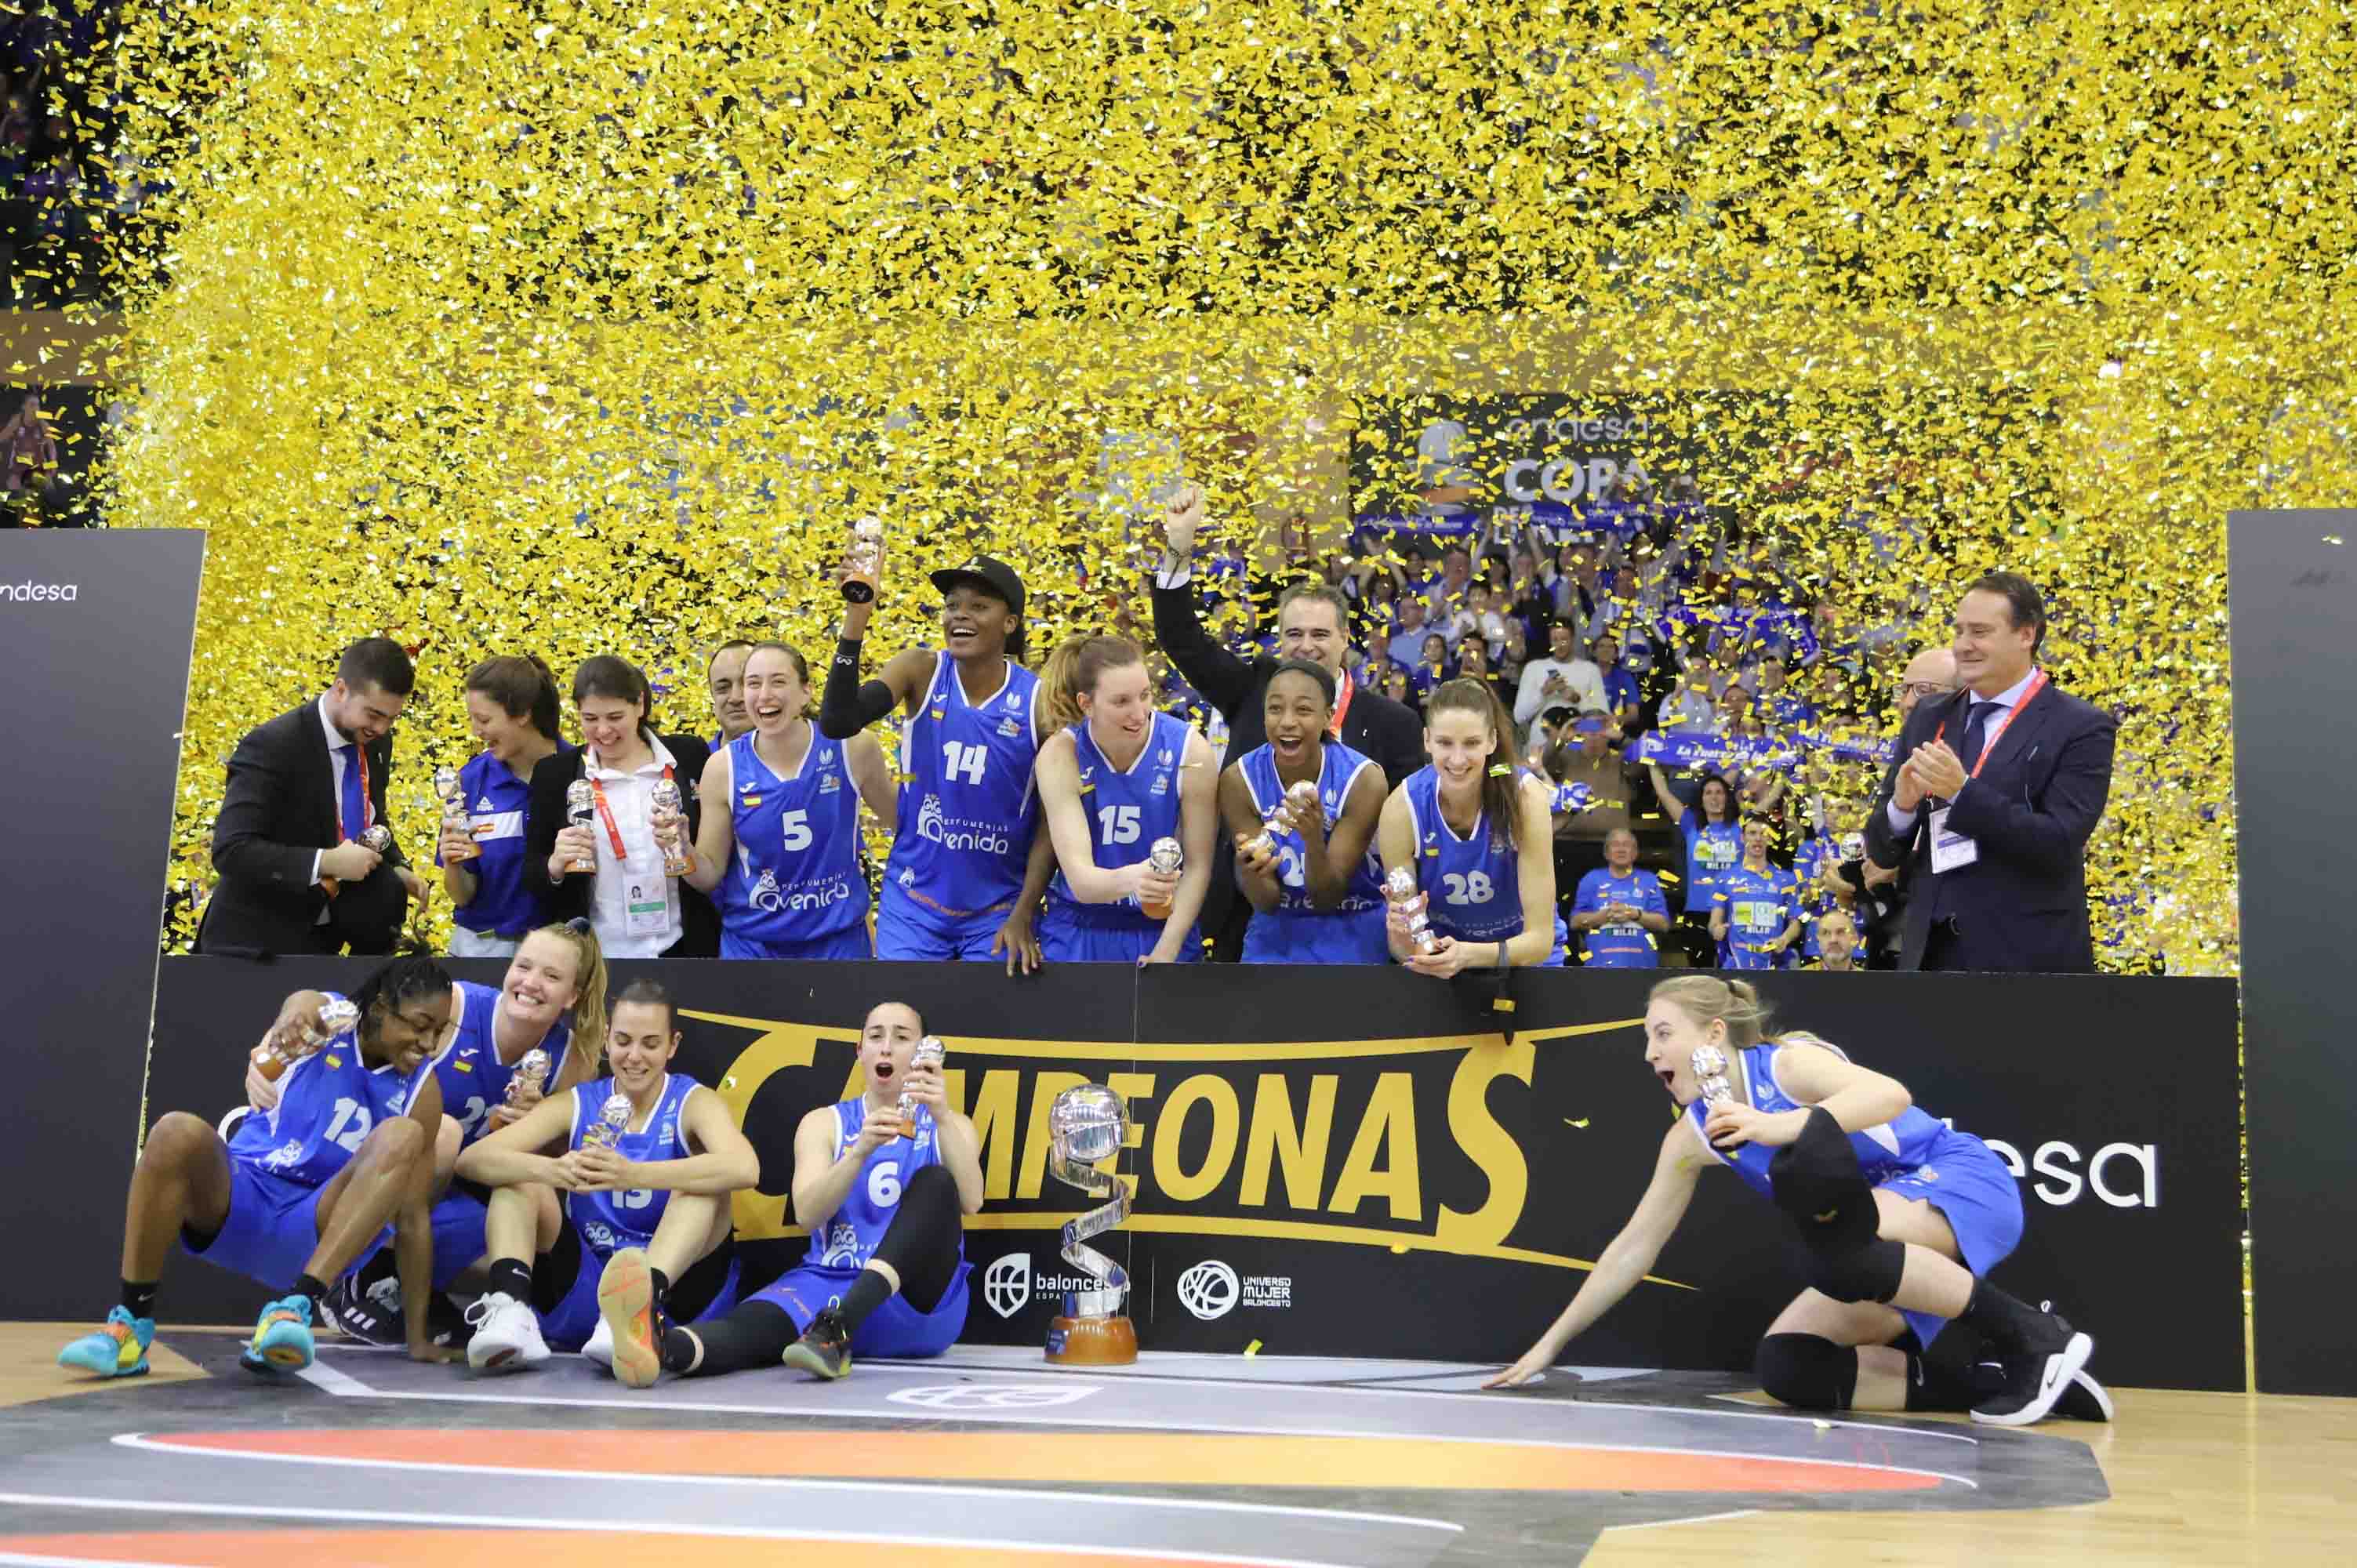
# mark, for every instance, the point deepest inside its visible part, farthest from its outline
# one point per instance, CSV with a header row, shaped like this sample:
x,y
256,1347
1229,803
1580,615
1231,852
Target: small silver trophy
x,y
613,1120
1302,796
377,838
866,559
929,1053
1710,1075
1086,1126
531,1067
1168,858
453,812
337,1016
580,810
1400,886
665,798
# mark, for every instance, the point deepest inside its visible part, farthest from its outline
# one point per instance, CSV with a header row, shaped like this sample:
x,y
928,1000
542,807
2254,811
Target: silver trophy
x,y
337,1016
1710,1075
929,1053
454,812
1086,1126
665,798
1401,887
866,559
531,1067
1303,795
1168,858
613,1120
377,838
580,810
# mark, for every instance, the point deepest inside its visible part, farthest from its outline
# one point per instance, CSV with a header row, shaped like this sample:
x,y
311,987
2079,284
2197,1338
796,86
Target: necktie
x,y
355,812
1975,732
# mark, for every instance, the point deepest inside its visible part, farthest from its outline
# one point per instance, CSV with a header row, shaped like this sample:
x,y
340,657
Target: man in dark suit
x,y
304,791
1991,799
1312,623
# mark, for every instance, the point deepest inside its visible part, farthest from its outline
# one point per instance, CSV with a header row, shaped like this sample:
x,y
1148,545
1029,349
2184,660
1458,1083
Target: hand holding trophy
x,y
1086,1126
458,835
862,564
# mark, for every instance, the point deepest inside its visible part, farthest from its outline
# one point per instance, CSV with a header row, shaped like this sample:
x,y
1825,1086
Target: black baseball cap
x,y
996,578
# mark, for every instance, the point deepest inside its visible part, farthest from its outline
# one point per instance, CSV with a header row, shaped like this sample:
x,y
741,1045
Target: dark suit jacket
x,y
2022,904
545,816
1375,725
280,810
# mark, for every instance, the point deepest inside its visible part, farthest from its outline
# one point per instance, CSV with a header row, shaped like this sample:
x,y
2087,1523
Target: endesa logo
x,y
39,593
2126,1176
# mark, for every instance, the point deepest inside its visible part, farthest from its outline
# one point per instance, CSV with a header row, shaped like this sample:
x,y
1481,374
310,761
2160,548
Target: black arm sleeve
x,y
846,707
1224,679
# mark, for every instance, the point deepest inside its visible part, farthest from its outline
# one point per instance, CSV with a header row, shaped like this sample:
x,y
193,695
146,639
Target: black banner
x,y
1335,1162
95,630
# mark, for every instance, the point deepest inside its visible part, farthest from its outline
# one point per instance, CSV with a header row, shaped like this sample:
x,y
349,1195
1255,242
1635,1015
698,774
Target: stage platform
x,y
988,1457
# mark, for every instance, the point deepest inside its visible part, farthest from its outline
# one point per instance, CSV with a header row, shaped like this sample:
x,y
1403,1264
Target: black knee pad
x,y
1818,1181
1806,1372
1870,1272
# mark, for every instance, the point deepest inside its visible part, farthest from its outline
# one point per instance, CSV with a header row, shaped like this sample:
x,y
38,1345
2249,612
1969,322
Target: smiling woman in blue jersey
x,y
963,881
511,706
1476,833
1755,914
782,864
1306,864
1901,1217
1714,838
1116,778
643,1231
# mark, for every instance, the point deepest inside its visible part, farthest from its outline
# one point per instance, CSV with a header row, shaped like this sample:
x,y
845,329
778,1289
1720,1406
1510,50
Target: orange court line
x,y
1113,1458
494,1548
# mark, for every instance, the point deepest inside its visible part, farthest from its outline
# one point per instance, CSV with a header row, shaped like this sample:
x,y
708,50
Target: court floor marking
x,y
1003,1418
25,1560
1937,1431
1690,1519
629,1527
146,1444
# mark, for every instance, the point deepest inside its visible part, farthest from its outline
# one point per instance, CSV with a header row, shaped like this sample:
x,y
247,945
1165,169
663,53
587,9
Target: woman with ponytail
x,y
511,706
1901,1218
1465,827
1115,779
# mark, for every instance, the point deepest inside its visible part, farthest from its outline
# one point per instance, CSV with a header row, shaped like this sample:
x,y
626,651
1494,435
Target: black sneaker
x,y
2084,1399
371,1316
825,1351
2037,1377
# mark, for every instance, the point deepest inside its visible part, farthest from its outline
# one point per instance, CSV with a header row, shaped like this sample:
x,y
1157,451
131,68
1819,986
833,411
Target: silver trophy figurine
x,y
1400,886
613,1120
866,559
337,1016
1710,1075
377,838
531,1067
929,1053
1302,796
665,798
1086,1126
454,812
1168,858
580,811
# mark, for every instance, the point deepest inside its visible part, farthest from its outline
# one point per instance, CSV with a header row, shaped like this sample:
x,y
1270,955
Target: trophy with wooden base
x,y
1087,1126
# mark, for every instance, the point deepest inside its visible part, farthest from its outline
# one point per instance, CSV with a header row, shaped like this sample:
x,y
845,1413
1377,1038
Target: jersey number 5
x,y
964,761
796,825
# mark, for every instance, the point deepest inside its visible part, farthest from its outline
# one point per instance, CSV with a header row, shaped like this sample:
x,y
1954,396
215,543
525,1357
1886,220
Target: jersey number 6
x,y
884,1184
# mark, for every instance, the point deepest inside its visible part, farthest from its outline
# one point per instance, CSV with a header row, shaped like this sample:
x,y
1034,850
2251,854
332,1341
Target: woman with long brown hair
x,y
512,707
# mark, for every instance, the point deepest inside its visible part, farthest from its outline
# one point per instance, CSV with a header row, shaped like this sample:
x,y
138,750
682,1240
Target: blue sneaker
x,y
117,1350
282,1338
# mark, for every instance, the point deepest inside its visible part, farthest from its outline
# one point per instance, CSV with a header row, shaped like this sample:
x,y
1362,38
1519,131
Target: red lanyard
x,y
1342,690
1988,742
606,814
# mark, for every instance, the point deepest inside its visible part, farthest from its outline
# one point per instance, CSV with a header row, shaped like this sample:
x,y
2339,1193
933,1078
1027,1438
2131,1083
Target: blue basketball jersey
x,y
854,1231
967,809
1628,945
1126,812
795,875
327,1102
1893,1149
611,1220
1758,905
510,899
1297,930
1711,849
1473,884
474,1080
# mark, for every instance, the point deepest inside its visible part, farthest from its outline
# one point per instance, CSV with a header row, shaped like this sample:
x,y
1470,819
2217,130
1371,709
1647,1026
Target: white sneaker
x,y
600,1348
507,1335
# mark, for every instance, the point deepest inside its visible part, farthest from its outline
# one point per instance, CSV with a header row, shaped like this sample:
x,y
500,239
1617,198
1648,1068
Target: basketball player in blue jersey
x,y
1755,914
1477,834
885,1201
963,881
1116,778
300,1193
1901,1217
643,1206
782,863
1311,872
